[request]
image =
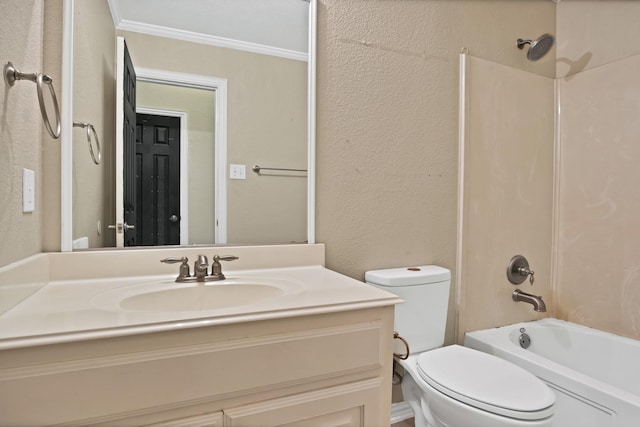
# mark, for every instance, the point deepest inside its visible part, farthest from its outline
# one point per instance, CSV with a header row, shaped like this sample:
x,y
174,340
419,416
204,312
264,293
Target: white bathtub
x,y
595,374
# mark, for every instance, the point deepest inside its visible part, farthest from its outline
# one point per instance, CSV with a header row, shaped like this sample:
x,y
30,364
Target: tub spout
x,y
538,304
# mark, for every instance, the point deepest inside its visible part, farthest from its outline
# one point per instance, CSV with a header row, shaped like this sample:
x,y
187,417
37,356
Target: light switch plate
x,y
237,171
28,190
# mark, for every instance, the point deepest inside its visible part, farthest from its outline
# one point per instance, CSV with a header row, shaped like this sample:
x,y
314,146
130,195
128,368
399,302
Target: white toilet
x,y
455,386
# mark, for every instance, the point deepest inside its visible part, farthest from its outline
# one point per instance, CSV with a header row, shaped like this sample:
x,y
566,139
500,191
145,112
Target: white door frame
x,y
219,86
184,164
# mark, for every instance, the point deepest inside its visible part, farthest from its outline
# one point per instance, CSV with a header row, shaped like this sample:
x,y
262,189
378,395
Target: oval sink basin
x,y
201,297
169,296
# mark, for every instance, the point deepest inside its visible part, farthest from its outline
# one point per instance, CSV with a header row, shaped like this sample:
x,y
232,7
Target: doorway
x,y
198,203
157,180
201,105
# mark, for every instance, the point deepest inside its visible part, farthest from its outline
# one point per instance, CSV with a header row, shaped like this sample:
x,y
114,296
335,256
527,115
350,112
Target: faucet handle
x,y
216,267
172,260
526,272
518,270
224,258
184,266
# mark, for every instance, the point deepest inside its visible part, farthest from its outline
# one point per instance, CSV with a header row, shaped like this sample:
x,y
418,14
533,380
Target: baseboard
x,y
400,411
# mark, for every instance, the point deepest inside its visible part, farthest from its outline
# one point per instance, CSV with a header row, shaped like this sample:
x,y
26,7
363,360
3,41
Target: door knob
x,y
119,227
173,218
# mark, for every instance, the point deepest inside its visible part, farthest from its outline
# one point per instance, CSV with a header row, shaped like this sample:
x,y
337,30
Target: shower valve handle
x,y
518,270
526,272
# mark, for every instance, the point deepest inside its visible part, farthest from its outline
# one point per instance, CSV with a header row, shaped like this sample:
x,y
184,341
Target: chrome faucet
x,y
536,301
201,268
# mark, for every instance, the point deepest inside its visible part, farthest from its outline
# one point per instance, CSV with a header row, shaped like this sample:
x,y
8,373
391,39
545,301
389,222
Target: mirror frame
x,y
66,140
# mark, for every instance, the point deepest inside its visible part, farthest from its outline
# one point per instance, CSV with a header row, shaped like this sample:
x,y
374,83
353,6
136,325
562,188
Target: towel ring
x,y
11,75
396,336
91,130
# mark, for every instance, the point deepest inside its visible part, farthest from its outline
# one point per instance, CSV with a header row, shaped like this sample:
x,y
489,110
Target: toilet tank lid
x,y
408,276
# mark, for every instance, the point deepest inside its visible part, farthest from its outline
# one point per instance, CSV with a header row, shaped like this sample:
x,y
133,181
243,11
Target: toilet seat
x,y
486,382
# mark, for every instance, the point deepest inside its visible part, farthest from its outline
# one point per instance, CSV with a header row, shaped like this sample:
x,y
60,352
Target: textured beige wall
x,y
597,275
508,192
199,104
93,102
388,122
21,137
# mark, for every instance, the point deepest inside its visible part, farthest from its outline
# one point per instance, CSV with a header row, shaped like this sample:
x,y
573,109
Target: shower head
x,y
539,47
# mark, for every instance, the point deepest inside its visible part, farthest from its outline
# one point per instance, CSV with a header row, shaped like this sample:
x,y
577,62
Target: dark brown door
x,y
157,180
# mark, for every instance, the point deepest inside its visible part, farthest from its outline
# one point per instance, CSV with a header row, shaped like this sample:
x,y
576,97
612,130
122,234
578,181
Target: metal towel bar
x,y
257,169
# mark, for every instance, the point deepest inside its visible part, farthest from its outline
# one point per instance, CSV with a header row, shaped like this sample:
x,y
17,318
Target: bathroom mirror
x,y
176,52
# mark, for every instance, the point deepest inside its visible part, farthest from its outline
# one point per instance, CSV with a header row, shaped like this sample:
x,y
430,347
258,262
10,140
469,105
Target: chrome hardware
x,y
405,356
184,274
201,268
91,130
216,267
525,339
11,75
257,169
537,48
120,228
536,301
397,377
518,270
173,218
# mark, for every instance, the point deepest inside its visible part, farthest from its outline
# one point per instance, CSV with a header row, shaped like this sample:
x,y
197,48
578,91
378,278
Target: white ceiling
x,y
278,24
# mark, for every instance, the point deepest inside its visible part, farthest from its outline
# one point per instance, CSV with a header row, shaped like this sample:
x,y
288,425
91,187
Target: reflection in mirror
x,y
182,118
266,123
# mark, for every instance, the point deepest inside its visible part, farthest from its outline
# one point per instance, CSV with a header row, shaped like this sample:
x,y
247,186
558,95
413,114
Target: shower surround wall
x,y
598,273
507,194
598,280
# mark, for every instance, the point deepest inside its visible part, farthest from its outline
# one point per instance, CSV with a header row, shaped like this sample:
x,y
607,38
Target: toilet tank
x,y
422,318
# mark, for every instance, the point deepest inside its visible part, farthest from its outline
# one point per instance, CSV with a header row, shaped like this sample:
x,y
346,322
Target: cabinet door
x,y
349,405
207,420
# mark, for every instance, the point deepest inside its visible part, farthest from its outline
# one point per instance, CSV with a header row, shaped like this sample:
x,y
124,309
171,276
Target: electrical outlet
x,y
237,171
28,190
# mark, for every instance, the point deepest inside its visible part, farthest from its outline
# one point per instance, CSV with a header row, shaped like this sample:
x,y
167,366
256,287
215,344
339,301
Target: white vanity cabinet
x,y
207,420
349,405
306,370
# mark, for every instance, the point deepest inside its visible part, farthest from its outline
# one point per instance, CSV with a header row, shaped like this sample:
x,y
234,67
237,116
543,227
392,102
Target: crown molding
x,y
189,36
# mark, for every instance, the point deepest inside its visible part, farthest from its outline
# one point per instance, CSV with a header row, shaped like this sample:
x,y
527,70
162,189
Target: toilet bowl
x,y
456,386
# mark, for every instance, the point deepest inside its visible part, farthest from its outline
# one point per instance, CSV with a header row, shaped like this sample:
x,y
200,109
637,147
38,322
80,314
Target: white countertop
x,y
74,310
